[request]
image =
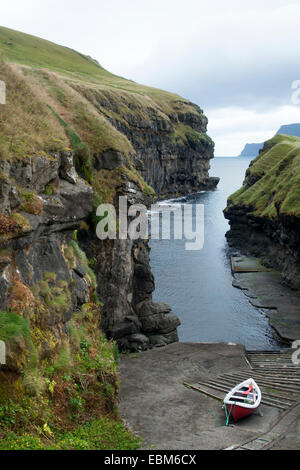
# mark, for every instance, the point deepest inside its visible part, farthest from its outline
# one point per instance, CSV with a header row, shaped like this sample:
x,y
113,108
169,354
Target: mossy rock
x,y
15,332
11,387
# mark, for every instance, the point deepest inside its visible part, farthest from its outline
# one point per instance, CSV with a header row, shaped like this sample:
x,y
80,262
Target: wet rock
x,y
109,160
135,342
4,287
161,340
79,270
156,317
123,329
80,289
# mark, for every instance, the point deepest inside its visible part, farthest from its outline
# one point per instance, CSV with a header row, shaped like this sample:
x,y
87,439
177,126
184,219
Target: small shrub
x,y
7,224
64,361
31,203
34,382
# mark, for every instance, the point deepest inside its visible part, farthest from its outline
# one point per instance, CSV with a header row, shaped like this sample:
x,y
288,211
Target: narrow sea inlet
x,y
198,284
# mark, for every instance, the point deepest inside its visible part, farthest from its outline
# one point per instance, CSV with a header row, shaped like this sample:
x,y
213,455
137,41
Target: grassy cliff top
x,y
272,184
37,53
57,99
41,76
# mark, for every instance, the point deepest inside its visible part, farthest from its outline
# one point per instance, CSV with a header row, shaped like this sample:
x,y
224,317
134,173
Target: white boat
x,y
242,400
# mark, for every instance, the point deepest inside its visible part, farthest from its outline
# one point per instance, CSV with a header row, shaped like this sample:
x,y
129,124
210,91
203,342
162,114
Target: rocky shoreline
x,y
264,213
266,291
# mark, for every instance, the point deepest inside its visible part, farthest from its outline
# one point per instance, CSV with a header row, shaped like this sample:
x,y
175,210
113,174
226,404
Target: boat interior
x,y
240,396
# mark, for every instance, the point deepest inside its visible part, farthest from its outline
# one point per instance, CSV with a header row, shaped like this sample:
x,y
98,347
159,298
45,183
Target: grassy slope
x,y
277,174
39,53
58,98
50,404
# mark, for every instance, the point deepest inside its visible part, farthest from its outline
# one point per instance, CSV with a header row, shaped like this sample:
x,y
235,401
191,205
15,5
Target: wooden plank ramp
x,y
274,372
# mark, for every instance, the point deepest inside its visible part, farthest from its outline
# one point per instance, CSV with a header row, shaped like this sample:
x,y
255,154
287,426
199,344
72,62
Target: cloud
x,y
221,55
231,128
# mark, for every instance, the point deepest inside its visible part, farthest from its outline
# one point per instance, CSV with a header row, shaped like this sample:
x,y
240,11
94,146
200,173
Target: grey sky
x,y
235,58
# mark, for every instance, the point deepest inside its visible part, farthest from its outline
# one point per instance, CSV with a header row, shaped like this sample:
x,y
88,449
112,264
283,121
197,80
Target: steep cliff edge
x,y
124,139
251,150
164,134
73,136
264,214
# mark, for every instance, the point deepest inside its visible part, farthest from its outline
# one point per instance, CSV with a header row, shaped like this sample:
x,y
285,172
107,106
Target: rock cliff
x,y
251,150
74,136
264,214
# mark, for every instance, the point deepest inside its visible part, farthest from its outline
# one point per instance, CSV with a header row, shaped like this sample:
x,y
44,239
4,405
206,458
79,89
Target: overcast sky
x,y
236,59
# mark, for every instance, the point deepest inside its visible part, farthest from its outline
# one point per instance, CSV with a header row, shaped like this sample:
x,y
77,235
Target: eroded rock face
x,y
261,222
172,161
39,279
62,199
109,160
171,166
125,285
275,242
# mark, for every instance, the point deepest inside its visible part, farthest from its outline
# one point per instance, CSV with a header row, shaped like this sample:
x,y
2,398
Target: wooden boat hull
x,y
239,412
242,400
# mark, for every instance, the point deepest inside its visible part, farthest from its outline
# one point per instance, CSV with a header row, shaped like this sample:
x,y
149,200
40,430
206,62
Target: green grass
x,y
99,434
13,326
273,180
58,99
82,258
68,401
27,126
38,54
55,294
14,330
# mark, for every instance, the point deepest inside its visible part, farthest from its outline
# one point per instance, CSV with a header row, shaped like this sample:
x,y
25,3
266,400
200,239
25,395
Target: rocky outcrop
x,y
171,148
264,213
43,202
129,316
172,166
251,150
125,285
125,139
40,277
277,244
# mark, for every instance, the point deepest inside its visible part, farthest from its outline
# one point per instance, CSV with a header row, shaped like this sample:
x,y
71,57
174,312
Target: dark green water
x,y
198,284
